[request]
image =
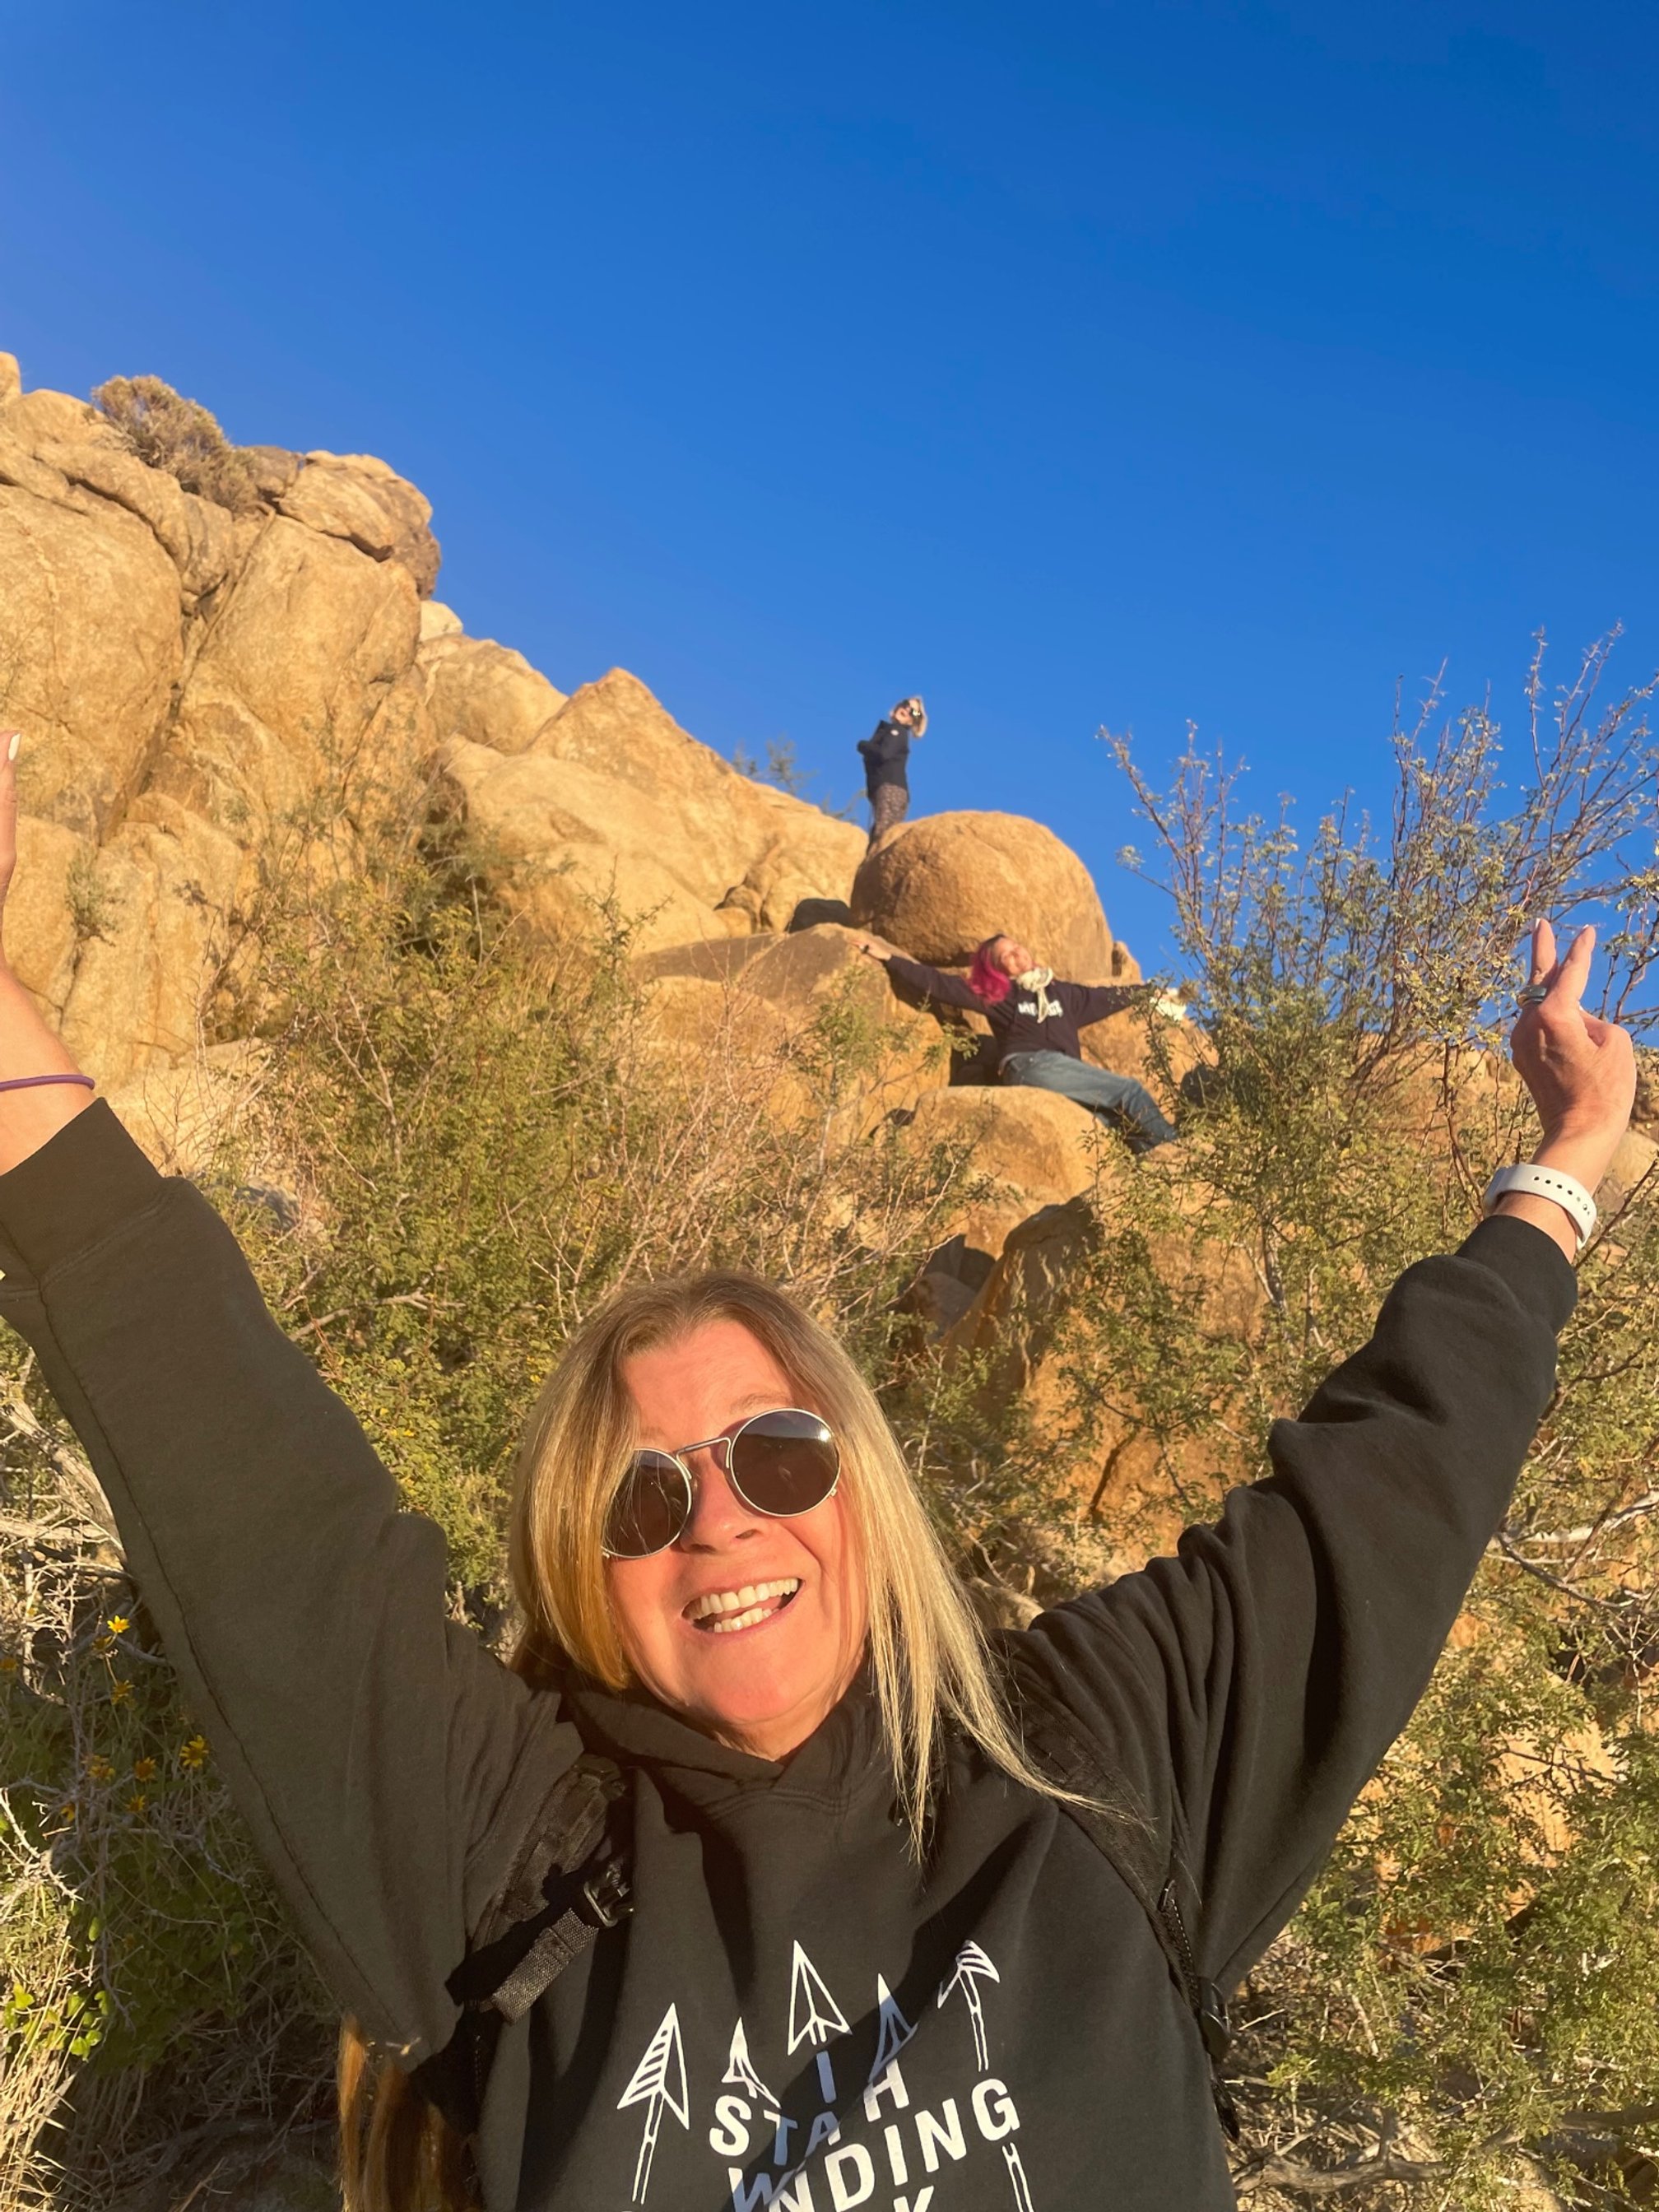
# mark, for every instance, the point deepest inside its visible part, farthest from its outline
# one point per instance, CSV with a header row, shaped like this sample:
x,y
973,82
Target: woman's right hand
x,y
1580,1069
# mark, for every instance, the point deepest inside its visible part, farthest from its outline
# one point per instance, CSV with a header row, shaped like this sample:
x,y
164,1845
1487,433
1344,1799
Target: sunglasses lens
x,y
649,1509
785,1462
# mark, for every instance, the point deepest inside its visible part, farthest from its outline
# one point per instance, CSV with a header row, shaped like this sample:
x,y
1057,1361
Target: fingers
x,y
1565,975
1573,973
1543,951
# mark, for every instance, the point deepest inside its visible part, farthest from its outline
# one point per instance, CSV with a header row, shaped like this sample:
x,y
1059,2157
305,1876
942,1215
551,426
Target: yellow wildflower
x,y
118,1624
120,1691
8,1662
194,1753
137,1802
100,1768
144,1770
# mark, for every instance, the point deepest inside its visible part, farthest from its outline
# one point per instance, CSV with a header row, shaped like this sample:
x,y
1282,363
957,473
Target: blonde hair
x,y
929,1665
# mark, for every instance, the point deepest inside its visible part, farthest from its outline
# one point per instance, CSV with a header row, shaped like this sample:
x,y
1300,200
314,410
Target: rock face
x,y
940,885
188,681
1031,1148
612,804
751,998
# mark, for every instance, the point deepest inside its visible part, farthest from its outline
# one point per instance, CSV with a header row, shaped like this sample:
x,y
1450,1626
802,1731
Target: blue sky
x,y
1074,365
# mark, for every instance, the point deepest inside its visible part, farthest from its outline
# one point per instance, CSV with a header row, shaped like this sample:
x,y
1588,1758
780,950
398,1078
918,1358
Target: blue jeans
x,y
1118,1100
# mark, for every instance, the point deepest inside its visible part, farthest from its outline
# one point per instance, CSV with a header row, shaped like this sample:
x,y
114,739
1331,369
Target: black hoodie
x,y
1019,1022
797,2014
887,755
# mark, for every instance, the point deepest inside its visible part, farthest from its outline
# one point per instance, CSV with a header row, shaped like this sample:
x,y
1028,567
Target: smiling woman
x,y
837,1561
747,1864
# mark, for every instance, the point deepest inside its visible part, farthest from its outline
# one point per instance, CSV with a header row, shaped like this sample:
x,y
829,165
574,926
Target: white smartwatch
x,y
1567,1192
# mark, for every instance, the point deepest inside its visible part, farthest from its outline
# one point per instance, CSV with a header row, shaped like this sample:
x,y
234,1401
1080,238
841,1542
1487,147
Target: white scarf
x,y
1036,980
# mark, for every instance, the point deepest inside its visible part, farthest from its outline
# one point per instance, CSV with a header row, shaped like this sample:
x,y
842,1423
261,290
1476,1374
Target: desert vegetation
x,y
445,1130
167,431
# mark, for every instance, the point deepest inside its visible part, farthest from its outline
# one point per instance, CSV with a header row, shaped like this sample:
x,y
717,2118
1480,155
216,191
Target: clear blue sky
x,y
1070,364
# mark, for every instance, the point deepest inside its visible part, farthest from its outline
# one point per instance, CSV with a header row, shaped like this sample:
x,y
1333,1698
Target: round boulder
x,y
940,885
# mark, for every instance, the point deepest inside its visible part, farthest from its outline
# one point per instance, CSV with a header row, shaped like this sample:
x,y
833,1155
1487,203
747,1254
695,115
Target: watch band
x,y
1566,1191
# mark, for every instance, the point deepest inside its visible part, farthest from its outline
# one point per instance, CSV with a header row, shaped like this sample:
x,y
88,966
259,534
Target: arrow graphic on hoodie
x,y
893,2031
814,2017
740,2070
971,1964
1017,2176
658,2082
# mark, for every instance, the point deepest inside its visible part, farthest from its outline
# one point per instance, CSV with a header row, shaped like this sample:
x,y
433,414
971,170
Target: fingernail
x,y
12,743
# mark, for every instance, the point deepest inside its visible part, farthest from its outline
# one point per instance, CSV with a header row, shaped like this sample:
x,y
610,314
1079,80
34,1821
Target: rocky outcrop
x,y
613,804
1029,1148
193,683
939,885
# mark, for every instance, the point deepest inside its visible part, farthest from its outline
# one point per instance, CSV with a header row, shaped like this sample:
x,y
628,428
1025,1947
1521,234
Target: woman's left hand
x,y
1580,1069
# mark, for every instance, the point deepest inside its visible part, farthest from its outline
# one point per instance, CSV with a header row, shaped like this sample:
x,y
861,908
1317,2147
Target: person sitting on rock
x,y
1035,1020
886,755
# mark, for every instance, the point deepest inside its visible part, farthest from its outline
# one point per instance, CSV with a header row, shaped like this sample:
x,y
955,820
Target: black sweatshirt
x,y
797,2014
886,755
1016,1023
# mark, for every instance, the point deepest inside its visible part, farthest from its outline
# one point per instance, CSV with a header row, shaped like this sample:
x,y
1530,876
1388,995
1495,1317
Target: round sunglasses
x,y
778,1463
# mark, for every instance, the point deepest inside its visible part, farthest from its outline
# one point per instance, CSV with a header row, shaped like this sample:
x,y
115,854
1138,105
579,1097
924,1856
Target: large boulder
x,y
186,679
1030,1149
356,497
91,648
793,1007
483,692
941,885
615,805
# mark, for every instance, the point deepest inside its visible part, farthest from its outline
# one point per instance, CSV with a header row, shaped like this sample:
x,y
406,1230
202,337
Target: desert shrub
x,y
168,431
1465,2004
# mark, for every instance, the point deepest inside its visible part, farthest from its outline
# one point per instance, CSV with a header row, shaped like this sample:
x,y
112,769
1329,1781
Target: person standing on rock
x,y
1035,1020
761,1876
886,765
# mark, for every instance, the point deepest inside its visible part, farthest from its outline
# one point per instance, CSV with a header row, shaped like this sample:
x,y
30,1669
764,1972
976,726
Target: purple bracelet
x,y
28,1082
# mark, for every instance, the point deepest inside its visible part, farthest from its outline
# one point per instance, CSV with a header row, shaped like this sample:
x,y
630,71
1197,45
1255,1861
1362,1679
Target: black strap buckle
x,y
1214,2023
609,1894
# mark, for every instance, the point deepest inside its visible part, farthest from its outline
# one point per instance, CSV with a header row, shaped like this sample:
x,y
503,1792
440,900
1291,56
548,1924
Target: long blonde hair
x,y
928,1661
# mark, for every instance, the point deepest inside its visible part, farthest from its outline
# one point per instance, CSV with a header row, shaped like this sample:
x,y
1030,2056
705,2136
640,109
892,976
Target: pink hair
x,y
985,979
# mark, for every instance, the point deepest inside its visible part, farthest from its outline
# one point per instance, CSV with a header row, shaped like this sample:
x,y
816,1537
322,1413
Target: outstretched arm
x,y
1094,1002
378,1752
927,982
1252,1683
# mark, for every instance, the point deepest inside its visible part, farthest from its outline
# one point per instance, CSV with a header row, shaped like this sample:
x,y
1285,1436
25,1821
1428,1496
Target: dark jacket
x,y
886,755
1016,1024
797,2015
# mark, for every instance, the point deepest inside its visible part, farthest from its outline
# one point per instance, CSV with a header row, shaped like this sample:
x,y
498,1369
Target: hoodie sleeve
x,y
934,983
383,1760
1254,1681
1094,1002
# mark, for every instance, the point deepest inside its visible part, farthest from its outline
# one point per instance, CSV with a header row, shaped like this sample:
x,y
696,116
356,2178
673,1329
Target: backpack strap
x,y
568,1882
1159,1879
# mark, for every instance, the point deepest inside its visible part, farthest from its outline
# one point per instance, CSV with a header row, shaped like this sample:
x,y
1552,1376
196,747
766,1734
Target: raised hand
x,y
1580,1069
